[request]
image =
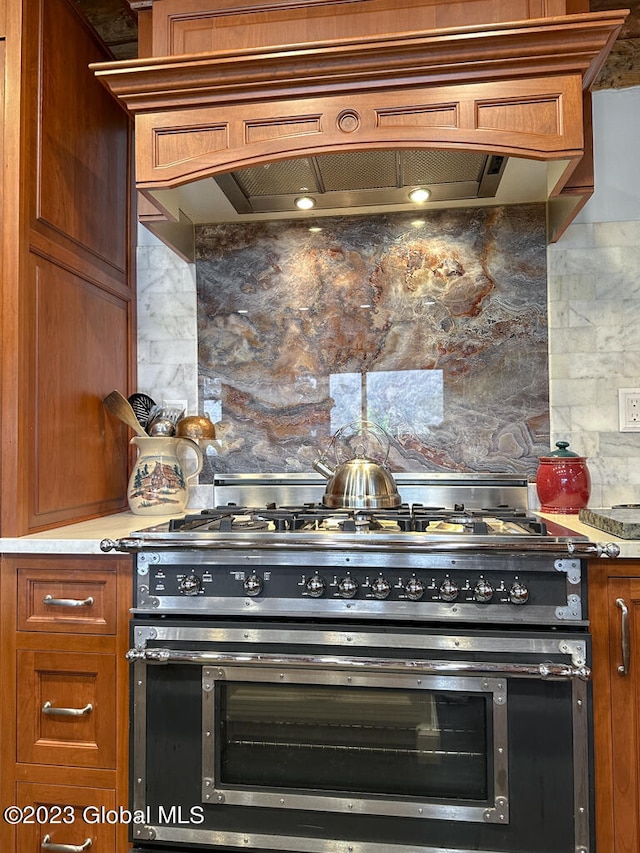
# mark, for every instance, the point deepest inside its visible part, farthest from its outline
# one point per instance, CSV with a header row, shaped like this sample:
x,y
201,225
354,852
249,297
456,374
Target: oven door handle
x,y
545,670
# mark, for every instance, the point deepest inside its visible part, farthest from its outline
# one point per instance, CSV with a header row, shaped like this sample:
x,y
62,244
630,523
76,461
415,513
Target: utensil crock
x,y
158,481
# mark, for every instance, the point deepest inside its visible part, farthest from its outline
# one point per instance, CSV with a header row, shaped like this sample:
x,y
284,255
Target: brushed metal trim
x,y
291,844
496,812
580,729
480,614
548,645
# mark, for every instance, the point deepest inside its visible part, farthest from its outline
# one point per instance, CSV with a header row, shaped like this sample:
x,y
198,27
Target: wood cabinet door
x,y
624,595
66,706
63,817
67,601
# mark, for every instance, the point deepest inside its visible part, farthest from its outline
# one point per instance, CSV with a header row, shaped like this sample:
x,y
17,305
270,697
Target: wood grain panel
x,y
63,779
97,588
2,68
616,704
78,452
280,128
198,26
497,117
80,148
67,192
69,681
439,115
543,114
170,148
75,833
625,717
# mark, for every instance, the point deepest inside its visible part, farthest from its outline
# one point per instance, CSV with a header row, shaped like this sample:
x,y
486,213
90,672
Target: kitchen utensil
x,y
158,482
161,426
119,406
163,420
361,482
196,426
563,481
142,404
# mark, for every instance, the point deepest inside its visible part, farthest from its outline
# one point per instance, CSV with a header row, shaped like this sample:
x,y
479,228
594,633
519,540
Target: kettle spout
x,y
322,468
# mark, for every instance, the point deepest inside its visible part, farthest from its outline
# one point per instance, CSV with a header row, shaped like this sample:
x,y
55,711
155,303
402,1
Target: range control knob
x,y
315,586
381,587
190,585
483,591
252,584
414,589
449,590
347,587
518,594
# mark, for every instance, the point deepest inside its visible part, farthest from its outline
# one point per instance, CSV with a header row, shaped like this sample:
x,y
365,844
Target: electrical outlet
x,y
629,409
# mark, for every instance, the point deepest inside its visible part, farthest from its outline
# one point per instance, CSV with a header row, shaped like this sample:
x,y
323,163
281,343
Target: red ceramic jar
x,y
563,481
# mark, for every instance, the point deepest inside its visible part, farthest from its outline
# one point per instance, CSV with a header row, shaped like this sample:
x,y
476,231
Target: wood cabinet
x,y
232,83
614,602
67,312
64,711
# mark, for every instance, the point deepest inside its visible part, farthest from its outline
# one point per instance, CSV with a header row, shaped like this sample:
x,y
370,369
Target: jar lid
x,y
562,450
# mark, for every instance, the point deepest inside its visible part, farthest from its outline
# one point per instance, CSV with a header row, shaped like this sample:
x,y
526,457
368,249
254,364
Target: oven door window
x,y
404,745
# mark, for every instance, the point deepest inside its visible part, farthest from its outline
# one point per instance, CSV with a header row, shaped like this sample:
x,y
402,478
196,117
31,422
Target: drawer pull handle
x,y
48,708
67,602
64,848
623,669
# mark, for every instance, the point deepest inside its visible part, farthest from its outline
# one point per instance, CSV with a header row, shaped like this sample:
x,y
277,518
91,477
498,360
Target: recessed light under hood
x,y
362,178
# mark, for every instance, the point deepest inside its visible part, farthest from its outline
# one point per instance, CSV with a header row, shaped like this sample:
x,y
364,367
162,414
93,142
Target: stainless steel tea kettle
x,y
359,482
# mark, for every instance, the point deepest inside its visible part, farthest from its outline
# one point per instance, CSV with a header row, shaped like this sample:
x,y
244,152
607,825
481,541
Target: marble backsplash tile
x,y
435,329
594,344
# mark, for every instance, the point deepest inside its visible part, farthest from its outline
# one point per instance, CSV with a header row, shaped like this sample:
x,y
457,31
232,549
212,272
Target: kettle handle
x,y
360,428
189,442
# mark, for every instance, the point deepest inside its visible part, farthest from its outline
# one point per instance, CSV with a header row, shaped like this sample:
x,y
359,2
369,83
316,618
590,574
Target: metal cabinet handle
x,y
49,709
64,848
623,669
68,602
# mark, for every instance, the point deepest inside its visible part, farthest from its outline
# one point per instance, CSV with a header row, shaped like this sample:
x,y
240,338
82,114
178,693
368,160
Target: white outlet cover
x,y
629,409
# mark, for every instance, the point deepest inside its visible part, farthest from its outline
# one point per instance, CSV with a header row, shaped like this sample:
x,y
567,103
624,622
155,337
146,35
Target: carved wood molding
x,y
513,50
515,88
533,118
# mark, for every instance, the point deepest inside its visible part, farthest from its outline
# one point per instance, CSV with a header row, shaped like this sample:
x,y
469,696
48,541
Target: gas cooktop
x,y
286,512
315,518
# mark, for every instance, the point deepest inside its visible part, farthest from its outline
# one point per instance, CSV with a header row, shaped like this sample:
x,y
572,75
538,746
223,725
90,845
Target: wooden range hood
x,y
220,91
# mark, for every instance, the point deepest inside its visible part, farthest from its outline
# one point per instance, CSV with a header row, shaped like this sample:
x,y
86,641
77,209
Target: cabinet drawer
x,y
63,814
66,704
68,601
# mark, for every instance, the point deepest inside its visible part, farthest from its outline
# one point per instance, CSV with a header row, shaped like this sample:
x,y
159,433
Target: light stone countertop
x,y
629,548
81,538
85,537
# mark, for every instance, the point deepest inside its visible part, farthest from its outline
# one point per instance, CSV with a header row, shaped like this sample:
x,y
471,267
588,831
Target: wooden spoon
x,y
119,406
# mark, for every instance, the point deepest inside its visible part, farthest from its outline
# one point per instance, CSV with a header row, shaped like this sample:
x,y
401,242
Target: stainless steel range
x,y
406,680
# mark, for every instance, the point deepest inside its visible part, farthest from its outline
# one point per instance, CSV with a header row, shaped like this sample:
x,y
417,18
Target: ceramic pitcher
x,y
158,482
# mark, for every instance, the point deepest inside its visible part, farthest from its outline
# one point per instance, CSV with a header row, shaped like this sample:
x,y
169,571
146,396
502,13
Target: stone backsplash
x,y
435,328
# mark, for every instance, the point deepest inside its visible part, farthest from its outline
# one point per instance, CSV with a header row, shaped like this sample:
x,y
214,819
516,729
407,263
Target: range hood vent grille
x,y
363,178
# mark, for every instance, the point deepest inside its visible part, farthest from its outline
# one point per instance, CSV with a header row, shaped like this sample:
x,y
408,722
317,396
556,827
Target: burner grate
x,y
406,518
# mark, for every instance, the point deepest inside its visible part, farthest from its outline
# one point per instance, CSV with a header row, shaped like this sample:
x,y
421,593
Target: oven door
x,y
280,738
